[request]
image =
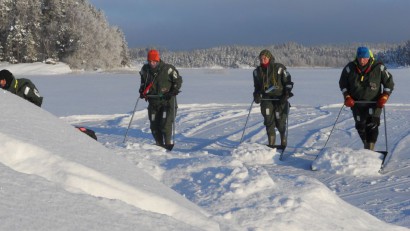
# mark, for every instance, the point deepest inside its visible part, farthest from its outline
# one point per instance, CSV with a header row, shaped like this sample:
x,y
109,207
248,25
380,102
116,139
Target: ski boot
x,y
168,144
159,140
283,141
369,146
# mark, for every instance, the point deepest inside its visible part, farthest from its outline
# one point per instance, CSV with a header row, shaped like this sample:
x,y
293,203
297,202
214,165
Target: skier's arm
x,y
287,83
176,80
344,87
256,83
344,83
387,80
143,79
31,93
388,85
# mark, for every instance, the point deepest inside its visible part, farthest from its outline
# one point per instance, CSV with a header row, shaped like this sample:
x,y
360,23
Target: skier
x,y
21,87
160,83
272,89
366,79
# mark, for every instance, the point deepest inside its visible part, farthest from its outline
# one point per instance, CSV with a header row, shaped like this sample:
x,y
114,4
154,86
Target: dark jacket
x,y
273,81
366,83
25,89
165,79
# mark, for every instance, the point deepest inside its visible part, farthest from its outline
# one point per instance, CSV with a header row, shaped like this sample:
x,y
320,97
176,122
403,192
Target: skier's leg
x,y
168,122
360,123
281,118
271,139
372,131
269,121
154,118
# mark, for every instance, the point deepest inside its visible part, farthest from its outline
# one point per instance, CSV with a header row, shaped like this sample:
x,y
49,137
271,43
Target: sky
x,y
187,24
53,177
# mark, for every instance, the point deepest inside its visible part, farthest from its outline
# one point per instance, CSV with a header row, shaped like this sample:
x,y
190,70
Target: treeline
x,y
71,31
74,32
399,56
290,54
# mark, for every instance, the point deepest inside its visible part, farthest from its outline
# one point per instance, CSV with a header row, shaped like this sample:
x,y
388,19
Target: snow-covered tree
x,y
399,56
290,54
69,30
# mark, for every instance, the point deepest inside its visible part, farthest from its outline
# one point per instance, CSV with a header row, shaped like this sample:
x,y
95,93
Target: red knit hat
x,y
153,55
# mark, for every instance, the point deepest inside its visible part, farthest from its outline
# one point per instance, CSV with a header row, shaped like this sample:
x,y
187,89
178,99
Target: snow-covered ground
x,y
53,177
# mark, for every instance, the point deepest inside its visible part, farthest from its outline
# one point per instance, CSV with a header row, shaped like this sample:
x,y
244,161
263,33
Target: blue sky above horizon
x,y
190,24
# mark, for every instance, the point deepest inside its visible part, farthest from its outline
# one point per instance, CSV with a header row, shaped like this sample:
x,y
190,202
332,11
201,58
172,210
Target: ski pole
x,y
312,167
173,122
286,131
287,120
385,128
331,131
247,118
385,161
132,117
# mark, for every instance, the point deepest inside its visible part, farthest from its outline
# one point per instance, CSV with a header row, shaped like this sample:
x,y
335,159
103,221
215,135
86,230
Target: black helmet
x,y
8,76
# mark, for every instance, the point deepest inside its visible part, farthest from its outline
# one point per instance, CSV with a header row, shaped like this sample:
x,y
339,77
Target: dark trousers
x,y
161,114
367,122
275,115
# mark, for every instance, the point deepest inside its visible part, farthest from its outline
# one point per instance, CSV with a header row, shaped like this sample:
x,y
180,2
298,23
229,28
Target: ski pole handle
x,y
364,102
153,96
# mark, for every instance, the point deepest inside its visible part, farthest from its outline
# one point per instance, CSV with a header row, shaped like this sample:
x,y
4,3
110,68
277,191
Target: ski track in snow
x,y
221,131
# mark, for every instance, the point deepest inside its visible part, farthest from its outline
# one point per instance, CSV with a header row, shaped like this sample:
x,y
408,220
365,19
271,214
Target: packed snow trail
x,y
215,130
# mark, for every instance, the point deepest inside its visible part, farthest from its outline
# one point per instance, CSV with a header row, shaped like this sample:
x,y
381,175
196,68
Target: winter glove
x,y
382,100
144,91
141,91
349,101
257,98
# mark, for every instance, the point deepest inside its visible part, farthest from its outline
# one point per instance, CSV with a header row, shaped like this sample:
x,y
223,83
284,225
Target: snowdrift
x,y
44,147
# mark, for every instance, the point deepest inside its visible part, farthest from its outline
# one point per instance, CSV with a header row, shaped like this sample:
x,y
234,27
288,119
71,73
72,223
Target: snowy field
x,y
56,178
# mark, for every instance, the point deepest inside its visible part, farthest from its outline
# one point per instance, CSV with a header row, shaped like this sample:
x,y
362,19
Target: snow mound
x,y
283,201
39,144
252,154
348,162
244,181
37,68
